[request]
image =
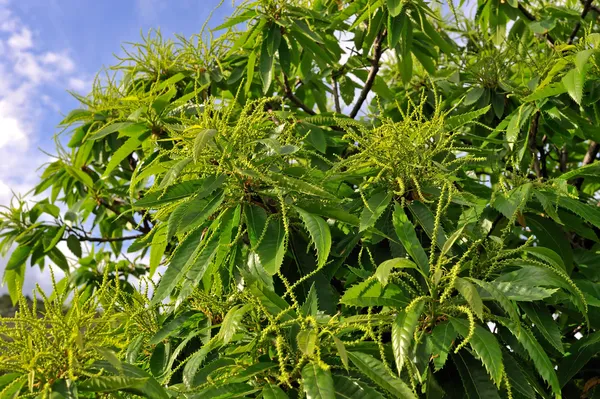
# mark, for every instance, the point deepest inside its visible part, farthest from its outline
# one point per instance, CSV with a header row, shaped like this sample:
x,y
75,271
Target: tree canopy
x,y
323,199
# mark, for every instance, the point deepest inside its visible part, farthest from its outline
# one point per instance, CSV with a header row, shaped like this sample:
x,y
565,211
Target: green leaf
x,y
589,213
376,371
372,293
517,377
203,138
266,66
194,362
486,348
111,383
132,144
535,275
180,191
311,305
14,279
250,71
537,354
592,170
151,389
426,219
469,292
473,95
74,245
18,257
435,37
394,28
403,329
173,173
60,231
440,341
395,7
317,383
271,249
195,212
233,390
544,323
386,267
580,353
170,328
112,128
232,322
574,81
319,233
499,296
456,121
181,260
158,247
161,102
551,235
210,369
347,388
273,391
75,115
285,60
408,237
374,208
550,90
476,382
160,359
341,348
548,256
307,341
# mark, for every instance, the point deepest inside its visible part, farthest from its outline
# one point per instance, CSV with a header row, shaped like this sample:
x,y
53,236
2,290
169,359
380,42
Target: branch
x,y
564,156
590,156
144,229
378,51
533,145
336,96
289,94
586,8
531,17
593,8
84,237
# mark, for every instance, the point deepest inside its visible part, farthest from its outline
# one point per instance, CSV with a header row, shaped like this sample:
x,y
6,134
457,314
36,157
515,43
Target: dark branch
x,y
336,96
586,8
592,7
531,17
144,229
590,156
82,236
109,239
564,157
533,145
377,52
289,94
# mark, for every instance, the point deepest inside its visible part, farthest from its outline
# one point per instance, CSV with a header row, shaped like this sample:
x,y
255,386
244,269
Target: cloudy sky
x,y
50,46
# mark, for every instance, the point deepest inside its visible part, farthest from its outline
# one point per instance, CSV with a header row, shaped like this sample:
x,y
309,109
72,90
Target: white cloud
x,y
27,71
79,85
22,40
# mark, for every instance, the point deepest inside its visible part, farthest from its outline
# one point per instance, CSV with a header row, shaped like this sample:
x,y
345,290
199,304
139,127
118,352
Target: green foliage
x,y
414,217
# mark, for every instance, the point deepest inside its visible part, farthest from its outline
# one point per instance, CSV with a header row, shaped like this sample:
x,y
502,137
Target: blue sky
x,y
50,46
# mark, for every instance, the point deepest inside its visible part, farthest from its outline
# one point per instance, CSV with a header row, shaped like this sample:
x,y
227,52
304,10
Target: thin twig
x,y
377,52
590,156
531,17
533,145
586,9
289,94
85,237
593,8
336,95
